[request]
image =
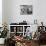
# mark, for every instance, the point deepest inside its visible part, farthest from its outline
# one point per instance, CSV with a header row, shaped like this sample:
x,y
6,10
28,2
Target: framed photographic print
x,y
26,9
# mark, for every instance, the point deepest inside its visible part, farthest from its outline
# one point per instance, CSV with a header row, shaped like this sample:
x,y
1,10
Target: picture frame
x,y
26,9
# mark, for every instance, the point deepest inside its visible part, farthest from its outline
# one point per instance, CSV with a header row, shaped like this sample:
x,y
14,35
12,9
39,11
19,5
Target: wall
x,y
12,11
16,11
0,13
42,11
4,11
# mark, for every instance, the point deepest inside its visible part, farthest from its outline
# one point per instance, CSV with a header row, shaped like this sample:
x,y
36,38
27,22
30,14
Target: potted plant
x,y
3,34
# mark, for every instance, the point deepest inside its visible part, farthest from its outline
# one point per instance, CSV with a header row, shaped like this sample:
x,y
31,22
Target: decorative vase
x,y
2,40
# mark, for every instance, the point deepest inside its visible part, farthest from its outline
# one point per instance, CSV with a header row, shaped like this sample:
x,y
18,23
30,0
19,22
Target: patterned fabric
x,y
23,44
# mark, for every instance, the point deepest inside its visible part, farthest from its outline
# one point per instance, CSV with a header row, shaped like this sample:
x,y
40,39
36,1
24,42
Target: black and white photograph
x,y
26,9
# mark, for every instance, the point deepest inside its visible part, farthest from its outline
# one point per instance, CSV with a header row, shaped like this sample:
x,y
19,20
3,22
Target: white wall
x,y
0,13
42,11
4,11
12,11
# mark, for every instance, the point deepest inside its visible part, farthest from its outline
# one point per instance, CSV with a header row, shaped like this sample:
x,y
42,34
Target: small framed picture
x,y
26,9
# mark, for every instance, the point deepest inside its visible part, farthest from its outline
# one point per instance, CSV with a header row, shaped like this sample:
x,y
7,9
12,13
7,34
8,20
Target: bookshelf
x,y
18,29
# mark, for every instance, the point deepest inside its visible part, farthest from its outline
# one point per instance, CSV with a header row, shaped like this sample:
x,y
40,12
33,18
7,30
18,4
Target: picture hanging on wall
x,y
26,9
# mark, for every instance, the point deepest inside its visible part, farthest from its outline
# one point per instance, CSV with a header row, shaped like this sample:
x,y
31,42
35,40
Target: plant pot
x,y
2,40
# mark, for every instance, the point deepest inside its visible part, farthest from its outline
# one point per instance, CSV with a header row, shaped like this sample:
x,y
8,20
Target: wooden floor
x,y
42,45
2,45
32,45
